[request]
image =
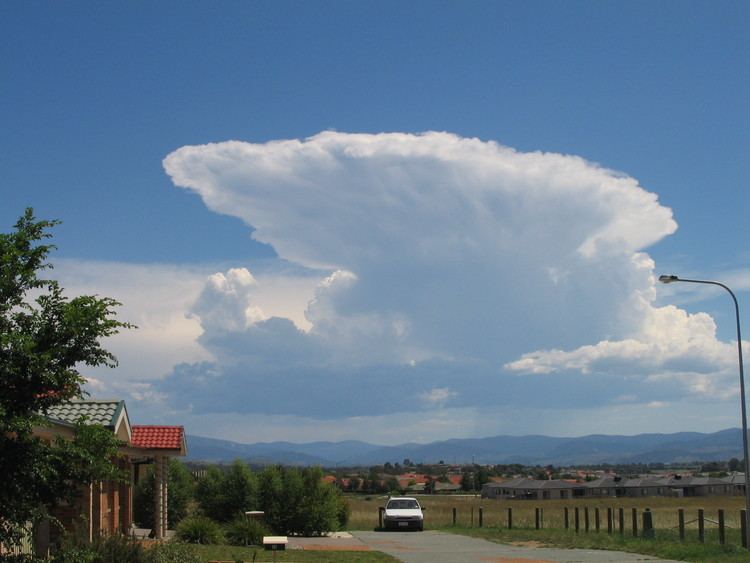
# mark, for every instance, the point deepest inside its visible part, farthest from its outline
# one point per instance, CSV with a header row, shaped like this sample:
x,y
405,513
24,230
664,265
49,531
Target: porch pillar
x,y
161,488
164,495
159,497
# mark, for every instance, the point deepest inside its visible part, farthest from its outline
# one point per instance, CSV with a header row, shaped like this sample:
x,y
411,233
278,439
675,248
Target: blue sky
x,y
337,323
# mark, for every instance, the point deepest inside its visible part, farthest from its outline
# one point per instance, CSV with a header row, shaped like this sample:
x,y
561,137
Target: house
x,y
642,487
736,480
605,487
446,487
106,507
531,489
683,486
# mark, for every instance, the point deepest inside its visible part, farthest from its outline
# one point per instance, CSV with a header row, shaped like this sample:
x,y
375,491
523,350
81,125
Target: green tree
x,y
209,490
299,502
44,338
179,494
225,494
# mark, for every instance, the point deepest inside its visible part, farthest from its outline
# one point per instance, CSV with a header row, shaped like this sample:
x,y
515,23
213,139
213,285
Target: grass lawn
x,y
666,546
258,555
439,516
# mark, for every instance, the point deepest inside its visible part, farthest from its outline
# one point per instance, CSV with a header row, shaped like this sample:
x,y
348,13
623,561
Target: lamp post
x,y
671,279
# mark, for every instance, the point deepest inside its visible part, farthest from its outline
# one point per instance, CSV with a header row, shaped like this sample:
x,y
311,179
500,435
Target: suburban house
x,y
675,485
683,486
736,480
532,489
107,507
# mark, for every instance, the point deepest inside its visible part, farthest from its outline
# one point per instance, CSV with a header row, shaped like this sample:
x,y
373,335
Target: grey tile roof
x,y
642,482
104,412
603,482
522,483
735,478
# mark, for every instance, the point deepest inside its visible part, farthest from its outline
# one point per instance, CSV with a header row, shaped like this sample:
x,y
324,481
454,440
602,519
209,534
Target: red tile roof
x,y
158,437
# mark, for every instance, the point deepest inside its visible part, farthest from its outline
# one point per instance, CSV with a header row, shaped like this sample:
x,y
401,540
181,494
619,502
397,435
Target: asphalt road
x,y
439,547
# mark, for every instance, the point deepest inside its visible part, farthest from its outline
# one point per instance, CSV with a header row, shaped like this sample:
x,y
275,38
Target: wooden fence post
x,y
454,515
681,523
510,518
481,518
648,524
621,512
722,531
635,522
381,510
609,519
701,524
743,527
536,518
586,519
576,519
596,519
566,518
472,516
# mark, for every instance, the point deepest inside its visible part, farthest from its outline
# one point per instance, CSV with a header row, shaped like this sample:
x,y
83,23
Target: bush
x,y
179,495
225,494
343,512
297,502
199,529
23,558
76,554
116,548
244,531
172,552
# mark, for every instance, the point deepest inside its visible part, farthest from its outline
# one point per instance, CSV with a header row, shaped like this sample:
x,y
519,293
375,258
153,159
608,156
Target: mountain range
x,y
528,450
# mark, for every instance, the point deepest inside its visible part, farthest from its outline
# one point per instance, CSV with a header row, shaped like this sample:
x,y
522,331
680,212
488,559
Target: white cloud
x,y
155,298
437,396
427,272
225,304
459,247
672,345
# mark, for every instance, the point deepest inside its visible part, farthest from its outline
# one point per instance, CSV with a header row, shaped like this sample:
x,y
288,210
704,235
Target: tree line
x,y
295,501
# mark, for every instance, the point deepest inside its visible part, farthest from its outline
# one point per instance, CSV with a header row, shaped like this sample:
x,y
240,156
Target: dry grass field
x,y
439,511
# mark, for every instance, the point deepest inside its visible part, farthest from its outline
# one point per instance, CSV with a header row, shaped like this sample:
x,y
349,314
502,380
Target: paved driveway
x,y
440,547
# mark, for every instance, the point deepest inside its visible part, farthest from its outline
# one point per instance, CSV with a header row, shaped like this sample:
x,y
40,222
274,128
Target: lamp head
x,y
668,279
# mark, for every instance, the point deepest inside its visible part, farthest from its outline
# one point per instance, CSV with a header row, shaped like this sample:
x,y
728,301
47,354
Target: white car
x,y
403,513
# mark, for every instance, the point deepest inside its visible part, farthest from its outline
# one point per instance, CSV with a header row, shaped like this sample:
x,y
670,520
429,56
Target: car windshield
x,y
402,503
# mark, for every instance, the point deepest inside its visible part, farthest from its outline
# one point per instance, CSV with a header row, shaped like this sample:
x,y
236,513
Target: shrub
x,y
199,529
22,558
343,512
75,554
172,552
118,548
244,531
224,494
298,502
115,548
179,495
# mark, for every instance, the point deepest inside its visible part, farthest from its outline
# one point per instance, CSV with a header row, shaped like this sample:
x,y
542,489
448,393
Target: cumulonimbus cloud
x,y
472,258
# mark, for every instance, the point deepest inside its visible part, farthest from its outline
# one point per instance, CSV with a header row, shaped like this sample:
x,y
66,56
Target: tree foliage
x,y
223,495
295,501
44,338
179,494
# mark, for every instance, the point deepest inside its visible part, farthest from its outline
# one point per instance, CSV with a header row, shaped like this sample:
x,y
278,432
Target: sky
x,y
393,221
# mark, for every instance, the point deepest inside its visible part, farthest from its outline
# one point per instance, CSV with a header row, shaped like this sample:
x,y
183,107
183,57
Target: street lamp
x,y
671,279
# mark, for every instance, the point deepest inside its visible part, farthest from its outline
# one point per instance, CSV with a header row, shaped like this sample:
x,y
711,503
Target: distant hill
x,y
529,450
